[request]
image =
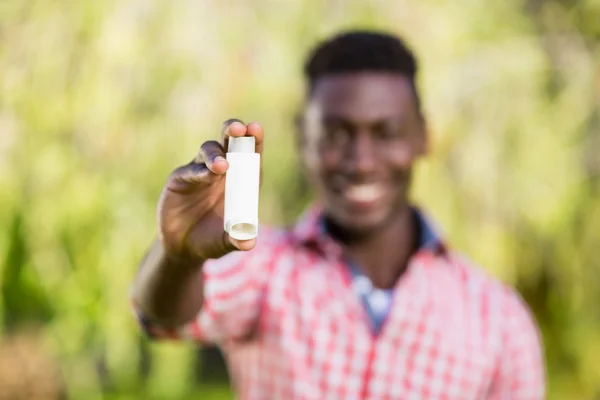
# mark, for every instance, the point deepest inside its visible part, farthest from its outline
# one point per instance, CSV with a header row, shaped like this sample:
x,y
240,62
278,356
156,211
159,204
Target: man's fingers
x,y
234,244
194,173
256,130
207,167
232,127
236,128
210,163
213,155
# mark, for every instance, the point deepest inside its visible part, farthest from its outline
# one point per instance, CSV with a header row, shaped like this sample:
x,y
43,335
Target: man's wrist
x,y
182,260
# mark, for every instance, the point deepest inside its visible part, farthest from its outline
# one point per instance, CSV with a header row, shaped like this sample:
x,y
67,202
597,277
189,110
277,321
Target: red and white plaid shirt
x,y
292,327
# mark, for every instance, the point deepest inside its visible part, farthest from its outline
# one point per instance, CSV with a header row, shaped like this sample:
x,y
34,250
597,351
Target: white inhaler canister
x,y
242,181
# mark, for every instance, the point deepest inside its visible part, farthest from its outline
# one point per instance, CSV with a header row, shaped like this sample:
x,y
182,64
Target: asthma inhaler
x,y
242,181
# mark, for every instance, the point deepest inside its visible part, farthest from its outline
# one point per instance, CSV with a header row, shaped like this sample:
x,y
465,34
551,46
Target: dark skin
x,y
365,131
360,136
169,286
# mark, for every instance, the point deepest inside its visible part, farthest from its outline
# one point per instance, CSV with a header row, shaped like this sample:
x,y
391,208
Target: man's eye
x,y
389,133
337,135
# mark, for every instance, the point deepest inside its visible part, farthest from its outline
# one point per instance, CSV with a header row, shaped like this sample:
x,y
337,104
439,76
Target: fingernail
x,y
229,122
219,158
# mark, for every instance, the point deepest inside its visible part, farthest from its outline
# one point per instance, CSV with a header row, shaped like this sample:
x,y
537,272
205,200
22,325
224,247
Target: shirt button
x,y
362,285
379,301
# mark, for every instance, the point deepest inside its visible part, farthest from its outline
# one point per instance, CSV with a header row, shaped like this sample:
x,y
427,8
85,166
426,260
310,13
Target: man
x,y
361,299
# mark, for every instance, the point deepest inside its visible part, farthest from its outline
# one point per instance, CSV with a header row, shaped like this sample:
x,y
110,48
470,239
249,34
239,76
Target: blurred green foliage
x,y
101,100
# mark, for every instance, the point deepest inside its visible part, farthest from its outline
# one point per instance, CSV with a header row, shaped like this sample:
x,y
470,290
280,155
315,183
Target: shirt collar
x,y
310,230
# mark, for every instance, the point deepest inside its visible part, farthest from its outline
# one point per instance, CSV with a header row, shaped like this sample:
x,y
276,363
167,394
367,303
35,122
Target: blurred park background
x,y
100,100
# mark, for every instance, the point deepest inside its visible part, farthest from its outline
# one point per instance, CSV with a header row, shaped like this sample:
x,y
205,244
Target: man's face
x,y
361,134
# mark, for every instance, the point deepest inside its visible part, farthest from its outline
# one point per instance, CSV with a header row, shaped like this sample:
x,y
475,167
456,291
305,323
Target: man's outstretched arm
x,y
168,291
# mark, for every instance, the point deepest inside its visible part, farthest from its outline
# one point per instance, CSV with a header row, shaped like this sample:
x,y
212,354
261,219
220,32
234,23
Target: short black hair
x,y
361,51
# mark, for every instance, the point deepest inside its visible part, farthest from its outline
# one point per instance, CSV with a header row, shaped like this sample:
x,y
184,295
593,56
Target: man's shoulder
x,y
499,304
484,287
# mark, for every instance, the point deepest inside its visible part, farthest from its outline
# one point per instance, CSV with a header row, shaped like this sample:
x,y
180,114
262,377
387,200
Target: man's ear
x,y
424,141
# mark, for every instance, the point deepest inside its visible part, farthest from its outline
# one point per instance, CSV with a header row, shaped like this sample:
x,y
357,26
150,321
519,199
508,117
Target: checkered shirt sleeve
x,y
233,287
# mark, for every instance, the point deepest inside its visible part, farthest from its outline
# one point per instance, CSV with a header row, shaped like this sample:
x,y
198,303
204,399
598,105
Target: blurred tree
x,y
23,297
100,100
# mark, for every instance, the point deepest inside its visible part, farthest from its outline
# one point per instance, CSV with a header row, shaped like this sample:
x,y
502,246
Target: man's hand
x,y
191,206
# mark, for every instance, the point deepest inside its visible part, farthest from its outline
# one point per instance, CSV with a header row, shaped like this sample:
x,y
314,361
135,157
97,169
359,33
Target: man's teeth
x,y
364,193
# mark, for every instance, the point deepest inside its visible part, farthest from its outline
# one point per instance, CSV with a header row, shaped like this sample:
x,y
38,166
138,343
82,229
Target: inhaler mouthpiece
x,y
244,144
242,182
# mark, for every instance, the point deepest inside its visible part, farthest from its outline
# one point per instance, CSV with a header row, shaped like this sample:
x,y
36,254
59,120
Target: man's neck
x,y
384,255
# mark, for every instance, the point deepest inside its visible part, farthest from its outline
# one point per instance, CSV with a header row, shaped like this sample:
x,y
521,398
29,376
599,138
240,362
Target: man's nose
x,y
362,157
